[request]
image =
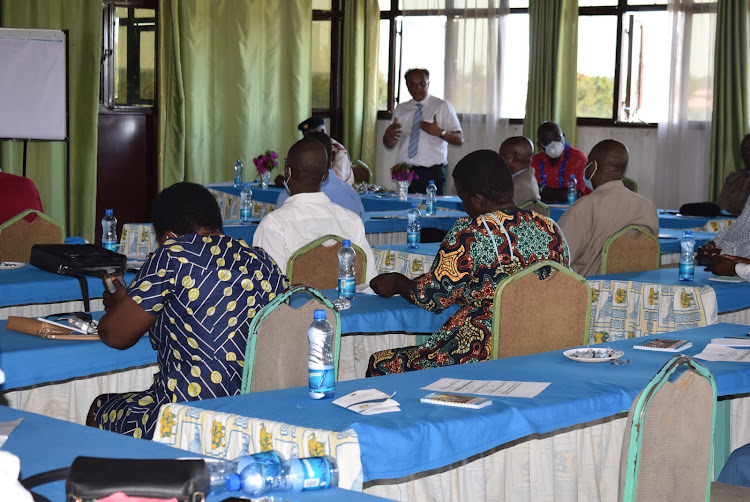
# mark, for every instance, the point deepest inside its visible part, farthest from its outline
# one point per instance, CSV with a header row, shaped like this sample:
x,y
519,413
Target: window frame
x,y
334,113
107,61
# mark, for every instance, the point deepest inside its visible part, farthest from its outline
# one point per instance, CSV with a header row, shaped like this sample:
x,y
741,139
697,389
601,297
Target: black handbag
x,y
78,260
92,478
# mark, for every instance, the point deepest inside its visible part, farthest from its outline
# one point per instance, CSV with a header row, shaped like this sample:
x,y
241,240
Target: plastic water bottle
x,y
414,226
431,198
246,203
687,256
572,189
256,473
315,473
320,364
347,277
238,174
109,231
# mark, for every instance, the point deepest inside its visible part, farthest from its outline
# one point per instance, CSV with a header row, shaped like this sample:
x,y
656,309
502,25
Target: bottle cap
x,y
246,185
688,233
319,315
432,182
233,483
346,243
107,212
414,205
572,176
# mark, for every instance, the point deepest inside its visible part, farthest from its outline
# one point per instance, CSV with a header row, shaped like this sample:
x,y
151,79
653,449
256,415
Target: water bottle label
x,y
112,246
412,239
321,380
317,473
687,270
245,214
571,198
430,207
346,287
238,181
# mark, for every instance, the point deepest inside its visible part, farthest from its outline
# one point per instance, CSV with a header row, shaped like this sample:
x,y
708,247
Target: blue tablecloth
x,y
669,239
423,437
268,195
43,444
395,221
667,218
730,296
30,285
29,360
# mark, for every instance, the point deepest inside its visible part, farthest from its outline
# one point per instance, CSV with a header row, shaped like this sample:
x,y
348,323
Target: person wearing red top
x,y
17,194
554,165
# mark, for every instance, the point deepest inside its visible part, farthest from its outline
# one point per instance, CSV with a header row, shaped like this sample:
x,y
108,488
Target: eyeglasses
x,y
423,83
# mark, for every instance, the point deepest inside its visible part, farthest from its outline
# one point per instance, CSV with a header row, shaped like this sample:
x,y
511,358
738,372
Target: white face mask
x,y
555,149
587,181
286,187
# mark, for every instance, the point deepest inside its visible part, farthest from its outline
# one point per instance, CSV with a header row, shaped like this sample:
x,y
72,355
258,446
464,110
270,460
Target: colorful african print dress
x,y
204,291
466,271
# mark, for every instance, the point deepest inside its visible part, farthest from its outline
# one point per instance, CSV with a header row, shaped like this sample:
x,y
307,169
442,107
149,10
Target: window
x,y
326,62
128,73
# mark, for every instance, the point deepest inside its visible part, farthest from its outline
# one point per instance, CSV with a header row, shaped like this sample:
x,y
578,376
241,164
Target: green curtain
x,y
360,93
46,160
234,81
553,56
731,108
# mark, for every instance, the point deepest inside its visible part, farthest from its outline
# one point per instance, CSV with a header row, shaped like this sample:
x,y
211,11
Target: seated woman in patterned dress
x,y
496,240
195,296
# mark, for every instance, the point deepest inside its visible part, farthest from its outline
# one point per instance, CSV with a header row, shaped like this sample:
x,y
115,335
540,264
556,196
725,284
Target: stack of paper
x,y
368,402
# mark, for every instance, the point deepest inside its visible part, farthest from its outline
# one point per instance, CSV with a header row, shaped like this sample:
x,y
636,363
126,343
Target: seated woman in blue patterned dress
x,y
496,240
195,296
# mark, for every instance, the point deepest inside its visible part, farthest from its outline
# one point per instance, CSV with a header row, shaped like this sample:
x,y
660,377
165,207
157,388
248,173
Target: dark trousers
x,y
435,173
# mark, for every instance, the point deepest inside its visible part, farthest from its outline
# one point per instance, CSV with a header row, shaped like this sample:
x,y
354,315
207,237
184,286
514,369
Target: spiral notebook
x,y
458,400
664,345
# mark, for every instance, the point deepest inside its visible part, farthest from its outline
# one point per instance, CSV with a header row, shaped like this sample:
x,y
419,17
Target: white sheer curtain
x,y
460,42
684,146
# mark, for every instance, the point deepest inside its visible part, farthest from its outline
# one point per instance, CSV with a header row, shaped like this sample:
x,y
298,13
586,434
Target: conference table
x,y
42,444
564,444
60,378
668,219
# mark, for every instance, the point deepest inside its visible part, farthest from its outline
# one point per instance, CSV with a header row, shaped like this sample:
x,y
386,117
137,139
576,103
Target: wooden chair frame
x,y
9,226
536,206
262,314
359,163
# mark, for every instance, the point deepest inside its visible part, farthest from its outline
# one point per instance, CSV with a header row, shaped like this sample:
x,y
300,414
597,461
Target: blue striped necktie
x,y
414,138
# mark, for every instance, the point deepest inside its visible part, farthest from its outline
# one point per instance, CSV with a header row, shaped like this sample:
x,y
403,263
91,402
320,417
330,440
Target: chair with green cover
x,y
17,235
632,249
277,345
317,264
630,184
537,206
533,315
362,172
667,451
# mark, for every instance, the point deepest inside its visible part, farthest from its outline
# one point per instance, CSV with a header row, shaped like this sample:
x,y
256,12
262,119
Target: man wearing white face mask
x,y
308,213
554,165
591,220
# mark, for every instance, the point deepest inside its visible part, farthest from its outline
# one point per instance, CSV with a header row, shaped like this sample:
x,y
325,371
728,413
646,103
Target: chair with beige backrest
x,y
632,249
667,451
317,264
537,206
362,172
277,345
533,315
17,235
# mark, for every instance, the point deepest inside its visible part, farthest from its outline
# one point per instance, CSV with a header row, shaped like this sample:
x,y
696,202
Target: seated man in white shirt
x,y
308,213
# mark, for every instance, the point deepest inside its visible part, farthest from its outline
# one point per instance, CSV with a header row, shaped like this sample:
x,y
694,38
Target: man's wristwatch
x,y
443,133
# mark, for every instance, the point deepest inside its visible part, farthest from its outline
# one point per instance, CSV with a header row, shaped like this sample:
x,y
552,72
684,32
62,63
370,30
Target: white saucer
x,y
593,354
9,265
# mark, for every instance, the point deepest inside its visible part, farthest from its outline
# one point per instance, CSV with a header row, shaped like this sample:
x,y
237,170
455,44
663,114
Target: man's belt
x,y
427,167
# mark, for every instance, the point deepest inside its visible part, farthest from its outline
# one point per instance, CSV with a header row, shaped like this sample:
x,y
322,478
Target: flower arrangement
x,y
266,162
401,172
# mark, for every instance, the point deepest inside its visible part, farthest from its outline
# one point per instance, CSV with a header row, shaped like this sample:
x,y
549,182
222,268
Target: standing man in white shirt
x,y
422,127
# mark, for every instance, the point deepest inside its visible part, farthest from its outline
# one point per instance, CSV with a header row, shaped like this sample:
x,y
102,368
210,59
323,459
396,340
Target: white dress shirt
x,y
302,219
432,149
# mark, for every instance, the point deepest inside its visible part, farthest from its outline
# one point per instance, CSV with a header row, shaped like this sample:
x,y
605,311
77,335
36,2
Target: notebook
x,y
458,400
664,345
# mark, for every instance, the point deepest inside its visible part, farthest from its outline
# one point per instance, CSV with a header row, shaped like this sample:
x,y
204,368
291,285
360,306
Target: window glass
x,y
647,2
515,71
383,55
700,97
384,4
421,4
597,36
321,64
471,4
419,50
597,3
644,69
321,4
134,55
519,4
